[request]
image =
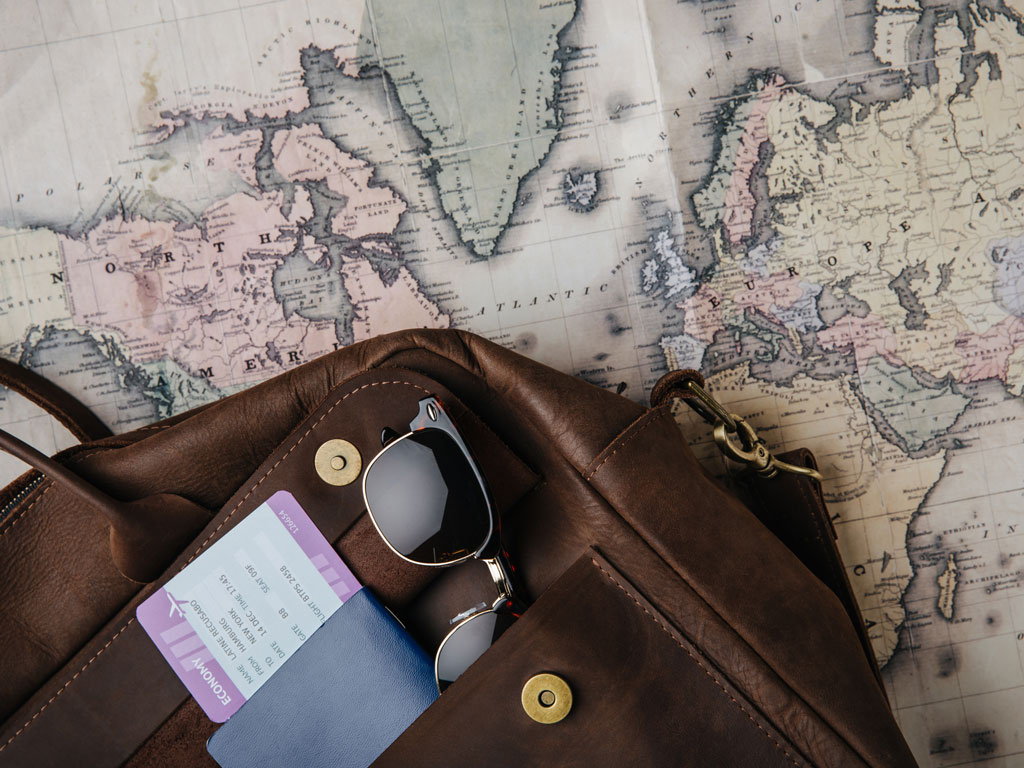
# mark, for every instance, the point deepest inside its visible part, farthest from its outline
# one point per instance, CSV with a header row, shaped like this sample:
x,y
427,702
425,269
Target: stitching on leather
x,y
711,609
288,453
25,511
480,422
697,661
207,541
69,682
653,420
78,457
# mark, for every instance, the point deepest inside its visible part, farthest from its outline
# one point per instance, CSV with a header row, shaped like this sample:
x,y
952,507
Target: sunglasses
x,y
430,503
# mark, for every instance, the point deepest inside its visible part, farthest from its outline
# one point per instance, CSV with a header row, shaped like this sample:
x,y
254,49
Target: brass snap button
x,y
338,462
547,698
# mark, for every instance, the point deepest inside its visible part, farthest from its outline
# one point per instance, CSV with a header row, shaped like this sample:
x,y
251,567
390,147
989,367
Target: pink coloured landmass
x,y
206,302
305,154
739,201
347,60
103,290
869,336
302,205
213,297
702,314
233,152
987,354
380,309
776,291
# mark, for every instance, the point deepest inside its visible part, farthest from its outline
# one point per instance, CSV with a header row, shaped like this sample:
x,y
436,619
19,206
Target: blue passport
x,y
339,701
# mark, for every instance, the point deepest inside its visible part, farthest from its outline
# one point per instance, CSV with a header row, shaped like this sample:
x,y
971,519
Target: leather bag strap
x,y
65,408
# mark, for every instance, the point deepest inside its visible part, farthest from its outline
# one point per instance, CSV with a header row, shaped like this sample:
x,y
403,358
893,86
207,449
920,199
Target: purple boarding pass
x,y
235,614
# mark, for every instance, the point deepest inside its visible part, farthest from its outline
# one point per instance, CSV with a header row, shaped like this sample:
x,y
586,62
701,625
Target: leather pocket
x,y
642,694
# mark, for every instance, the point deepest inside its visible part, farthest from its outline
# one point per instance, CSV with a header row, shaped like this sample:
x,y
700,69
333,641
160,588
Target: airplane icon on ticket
x,y
175,606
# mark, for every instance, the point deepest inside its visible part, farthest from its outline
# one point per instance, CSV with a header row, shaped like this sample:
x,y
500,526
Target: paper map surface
x,y
819,203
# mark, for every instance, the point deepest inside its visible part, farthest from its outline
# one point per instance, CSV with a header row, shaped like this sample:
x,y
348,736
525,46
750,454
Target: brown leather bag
x,y
690,632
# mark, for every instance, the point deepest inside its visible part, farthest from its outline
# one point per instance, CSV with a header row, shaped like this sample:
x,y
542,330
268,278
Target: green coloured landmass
x,y
916,412
478,80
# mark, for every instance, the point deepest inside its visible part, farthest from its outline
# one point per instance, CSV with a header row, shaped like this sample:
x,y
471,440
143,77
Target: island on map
x,y
580,189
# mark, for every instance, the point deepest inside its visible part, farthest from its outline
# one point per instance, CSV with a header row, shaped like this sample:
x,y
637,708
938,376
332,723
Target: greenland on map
x,y
818,204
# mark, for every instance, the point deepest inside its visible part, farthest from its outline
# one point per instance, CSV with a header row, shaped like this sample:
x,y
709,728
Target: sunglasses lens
x,y
467,643
426,500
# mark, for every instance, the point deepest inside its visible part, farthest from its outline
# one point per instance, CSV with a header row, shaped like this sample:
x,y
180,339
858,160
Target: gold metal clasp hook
x,y
709,409
751,449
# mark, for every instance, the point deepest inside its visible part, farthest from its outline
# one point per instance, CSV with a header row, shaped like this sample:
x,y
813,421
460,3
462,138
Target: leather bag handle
x,y
145,534
64,407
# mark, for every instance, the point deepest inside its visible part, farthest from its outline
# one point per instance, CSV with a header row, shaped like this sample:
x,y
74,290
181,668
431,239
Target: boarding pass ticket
x,y
236,613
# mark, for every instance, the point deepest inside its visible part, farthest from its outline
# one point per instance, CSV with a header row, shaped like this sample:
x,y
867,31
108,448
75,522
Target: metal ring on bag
x,y
752,452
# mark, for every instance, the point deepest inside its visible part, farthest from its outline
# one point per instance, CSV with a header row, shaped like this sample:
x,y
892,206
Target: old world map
x,y
818,204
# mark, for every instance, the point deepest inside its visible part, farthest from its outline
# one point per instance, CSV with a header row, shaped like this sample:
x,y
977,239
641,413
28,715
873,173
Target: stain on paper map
x,y
820,206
